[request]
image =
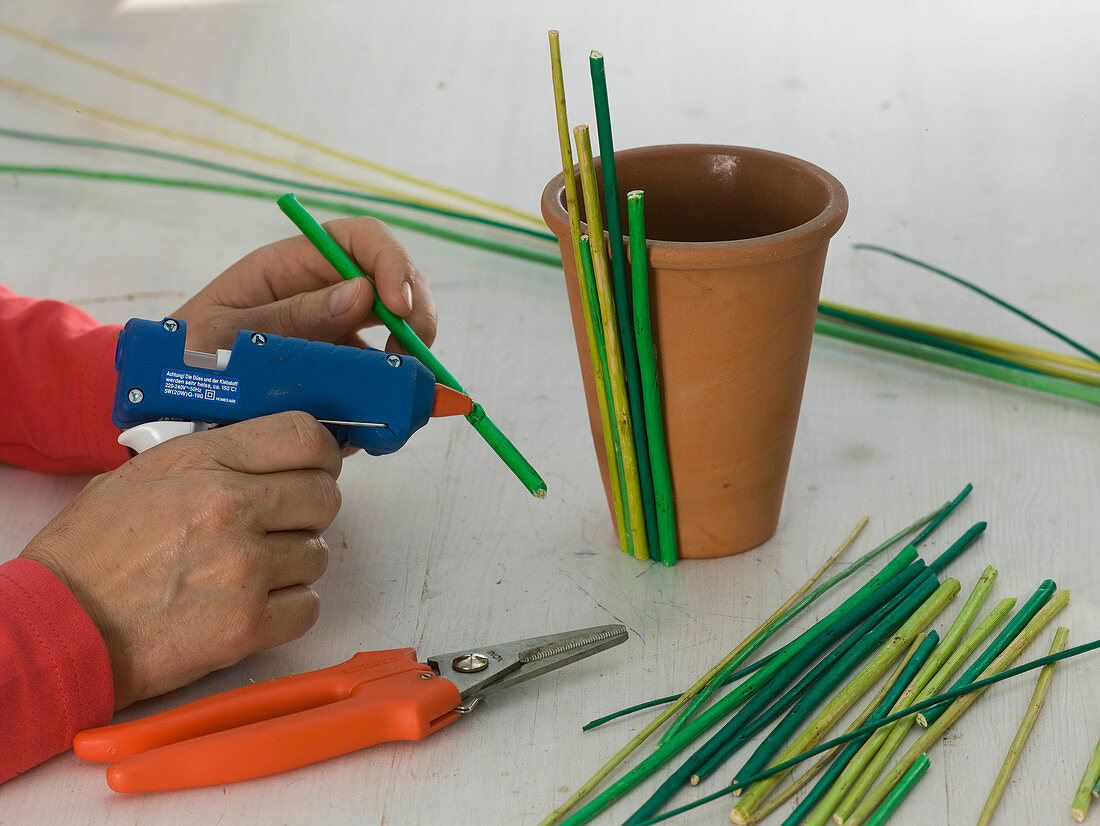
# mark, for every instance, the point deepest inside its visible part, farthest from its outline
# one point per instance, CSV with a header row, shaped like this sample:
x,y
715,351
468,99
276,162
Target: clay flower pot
x,y
737,242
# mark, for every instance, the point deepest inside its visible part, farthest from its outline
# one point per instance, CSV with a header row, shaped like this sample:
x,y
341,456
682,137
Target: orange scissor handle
x,y
269,727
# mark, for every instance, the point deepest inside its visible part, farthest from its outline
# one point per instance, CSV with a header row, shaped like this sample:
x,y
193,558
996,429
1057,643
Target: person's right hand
x,y
200,551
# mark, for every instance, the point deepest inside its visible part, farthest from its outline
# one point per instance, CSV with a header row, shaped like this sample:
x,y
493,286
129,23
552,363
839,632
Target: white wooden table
x,y
965,133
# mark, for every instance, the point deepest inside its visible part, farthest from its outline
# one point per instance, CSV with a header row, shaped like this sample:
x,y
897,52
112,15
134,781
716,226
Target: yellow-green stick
x,y
588,310
931,735
1026,725
634,513
1083,797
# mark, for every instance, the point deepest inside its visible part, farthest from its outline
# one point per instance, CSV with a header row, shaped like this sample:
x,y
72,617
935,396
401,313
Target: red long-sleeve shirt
x,y
56,386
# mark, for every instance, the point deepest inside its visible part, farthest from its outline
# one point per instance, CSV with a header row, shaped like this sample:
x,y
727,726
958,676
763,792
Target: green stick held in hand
x,y
343,264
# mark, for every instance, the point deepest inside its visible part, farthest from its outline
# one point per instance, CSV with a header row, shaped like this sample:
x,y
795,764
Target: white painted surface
x,y
965,133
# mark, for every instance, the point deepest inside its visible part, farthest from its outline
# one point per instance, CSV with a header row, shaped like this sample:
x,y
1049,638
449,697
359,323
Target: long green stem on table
x,y
738,654
919,652
930,522
347,268
285,183
1091,777
953,694
918,337
270,195
935,731
601,372
984,293
1015,625
738,695
923,682
1022,733
622,294
847,696
1010,375
900,791
650,379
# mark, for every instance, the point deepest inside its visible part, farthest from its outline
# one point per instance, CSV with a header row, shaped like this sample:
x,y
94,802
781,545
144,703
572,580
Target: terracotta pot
x,y
737,242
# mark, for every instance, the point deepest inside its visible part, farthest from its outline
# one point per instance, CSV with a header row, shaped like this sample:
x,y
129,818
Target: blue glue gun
x,y
369,399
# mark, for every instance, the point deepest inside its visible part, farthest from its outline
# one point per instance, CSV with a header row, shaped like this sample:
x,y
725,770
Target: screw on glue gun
x,y
369,399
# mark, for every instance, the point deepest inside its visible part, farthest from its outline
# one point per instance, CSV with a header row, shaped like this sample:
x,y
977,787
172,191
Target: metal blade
x,y
480,671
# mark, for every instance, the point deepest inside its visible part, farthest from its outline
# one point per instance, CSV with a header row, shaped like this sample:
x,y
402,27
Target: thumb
x,y
329,314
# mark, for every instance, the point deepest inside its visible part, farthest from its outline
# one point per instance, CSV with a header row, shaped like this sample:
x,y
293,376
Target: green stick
x,y
725,676
285,183
954,693
638,418
632,507
600,372
855,689
1026,725
984,293
347,268
854,782
935,731
1010,375
900,791
1015,625
651,391
1090,778
736,655
597,353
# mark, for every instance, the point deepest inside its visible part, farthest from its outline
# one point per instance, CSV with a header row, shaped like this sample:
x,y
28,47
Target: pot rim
x,y
697,255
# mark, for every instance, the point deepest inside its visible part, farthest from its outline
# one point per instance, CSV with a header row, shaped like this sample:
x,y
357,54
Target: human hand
x,y
200,551
288,288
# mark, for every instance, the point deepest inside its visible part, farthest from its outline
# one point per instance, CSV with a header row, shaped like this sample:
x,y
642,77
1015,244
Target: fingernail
x,y
407,291
342,298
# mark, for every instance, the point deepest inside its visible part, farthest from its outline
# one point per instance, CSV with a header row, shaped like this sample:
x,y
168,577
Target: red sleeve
x,y
55,676
57,384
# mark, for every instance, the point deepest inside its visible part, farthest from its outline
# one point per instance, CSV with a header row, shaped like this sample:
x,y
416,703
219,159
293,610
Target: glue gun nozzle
x,y
449,402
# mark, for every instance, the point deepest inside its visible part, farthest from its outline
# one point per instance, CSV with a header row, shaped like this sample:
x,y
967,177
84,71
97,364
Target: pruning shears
x,y
375,697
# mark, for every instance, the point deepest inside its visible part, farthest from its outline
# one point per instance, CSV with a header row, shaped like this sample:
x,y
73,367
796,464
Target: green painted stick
x,y
638,416
956,709
651,390
855,688
601,374
733,699
900,791
347,268
633,509
853,784
961,691
1015,625
738,654
1026,725
597,353
1091,777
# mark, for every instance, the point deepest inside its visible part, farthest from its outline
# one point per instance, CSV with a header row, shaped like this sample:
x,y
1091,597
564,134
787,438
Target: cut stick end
x,y
695,780
540,493
1077,815
838,820
922,721
595,55
738,818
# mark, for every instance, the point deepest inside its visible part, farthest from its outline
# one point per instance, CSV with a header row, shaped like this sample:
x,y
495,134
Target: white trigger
x,y
144,436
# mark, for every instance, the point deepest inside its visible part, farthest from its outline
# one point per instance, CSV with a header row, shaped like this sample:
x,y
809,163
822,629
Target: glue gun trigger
x,y
144,436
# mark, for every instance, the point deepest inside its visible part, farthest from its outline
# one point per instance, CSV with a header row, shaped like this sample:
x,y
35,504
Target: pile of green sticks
x,y
804,688
617,326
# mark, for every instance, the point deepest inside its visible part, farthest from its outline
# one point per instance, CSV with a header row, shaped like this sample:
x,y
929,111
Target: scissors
x,y
270,727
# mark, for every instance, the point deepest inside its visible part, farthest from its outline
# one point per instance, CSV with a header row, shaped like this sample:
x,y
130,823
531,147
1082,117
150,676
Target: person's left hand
x,y
287,288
